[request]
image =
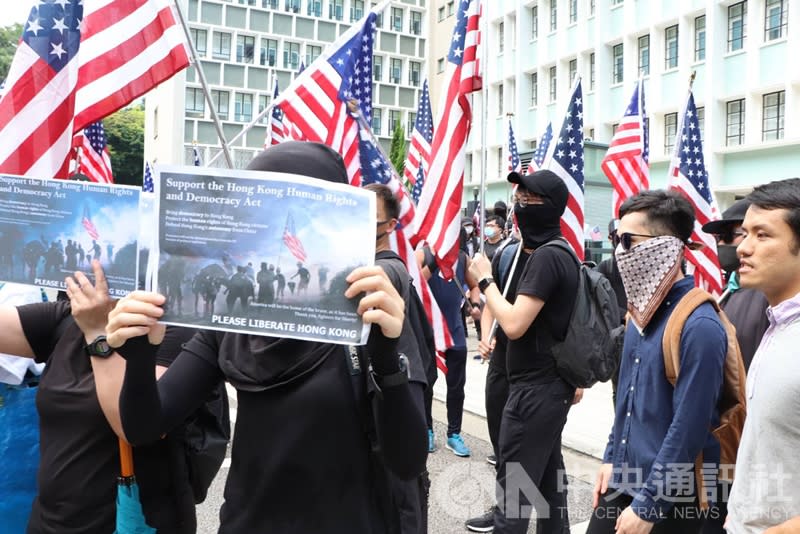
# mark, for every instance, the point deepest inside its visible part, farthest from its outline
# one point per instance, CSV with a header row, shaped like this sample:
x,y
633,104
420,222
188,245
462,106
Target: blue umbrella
x,y
130,517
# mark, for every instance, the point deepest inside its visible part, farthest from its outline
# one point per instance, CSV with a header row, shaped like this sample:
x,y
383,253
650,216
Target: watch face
x,y
103,346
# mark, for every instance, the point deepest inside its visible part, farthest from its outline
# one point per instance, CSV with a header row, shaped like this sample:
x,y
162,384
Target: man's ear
x,y
391,226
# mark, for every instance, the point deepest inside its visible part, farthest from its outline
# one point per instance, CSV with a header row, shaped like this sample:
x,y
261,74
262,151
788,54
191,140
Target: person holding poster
x,y
309,412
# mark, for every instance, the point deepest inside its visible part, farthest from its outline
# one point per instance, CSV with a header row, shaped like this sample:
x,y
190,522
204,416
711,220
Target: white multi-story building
x,y
746,84
245,45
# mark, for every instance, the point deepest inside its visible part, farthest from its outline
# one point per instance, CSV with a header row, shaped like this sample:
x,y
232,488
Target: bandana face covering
x,y
648,270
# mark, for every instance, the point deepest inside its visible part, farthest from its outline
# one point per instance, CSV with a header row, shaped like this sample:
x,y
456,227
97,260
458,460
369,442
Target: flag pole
x,y
204,84
506,286
485,121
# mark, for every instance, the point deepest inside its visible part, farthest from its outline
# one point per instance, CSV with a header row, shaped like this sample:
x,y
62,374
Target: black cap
x,y
731,216
613,224
302,157
545,183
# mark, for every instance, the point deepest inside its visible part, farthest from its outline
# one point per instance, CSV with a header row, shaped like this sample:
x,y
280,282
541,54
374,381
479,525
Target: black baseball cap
x,y
731,216
545,183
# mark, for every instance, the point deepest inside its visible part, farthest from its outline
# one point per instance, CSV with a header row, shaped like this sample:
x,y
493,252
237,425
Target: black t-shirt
x,y
551,275
79,452
499,354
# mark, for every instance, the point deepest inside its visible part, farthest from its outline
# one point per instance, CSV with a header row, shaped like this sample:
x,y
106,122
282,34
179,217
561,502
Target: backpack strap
x,y
671,341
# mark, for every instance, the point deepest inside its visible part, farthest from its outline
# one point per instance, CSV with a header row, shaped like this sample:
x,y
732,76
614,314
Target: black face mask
x,y
728,259
538,223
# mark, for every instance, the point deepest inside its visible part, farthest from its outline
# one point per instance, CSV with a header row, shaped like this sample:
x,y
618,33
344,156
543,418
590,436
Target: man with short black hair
x,y
659,430
493,235
766,496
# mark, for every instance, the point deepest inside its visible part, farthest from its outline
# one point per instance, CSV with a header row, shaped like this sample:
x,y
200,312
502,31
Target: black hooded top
x,y
301,459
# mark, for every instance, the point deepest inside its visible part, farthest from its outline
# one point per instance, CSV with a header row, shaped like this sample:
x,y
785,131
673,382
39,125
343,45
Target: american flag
x,y
148,186
689,176
541,149
375,169
514,163
315,105
196,157
627,162
567,162
95,161
438,219
419,150
275,132
78,61
88,225
291,240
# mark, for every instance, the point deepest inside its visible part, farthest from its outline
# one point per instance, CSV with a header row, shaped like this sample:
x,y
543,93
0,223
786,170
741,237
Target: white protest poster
x,y
51,228
262,253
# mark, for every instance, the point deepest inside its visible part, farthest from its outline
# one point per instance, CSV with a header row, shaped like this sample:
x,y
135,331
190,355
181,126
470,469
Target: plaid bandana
x,y
648,271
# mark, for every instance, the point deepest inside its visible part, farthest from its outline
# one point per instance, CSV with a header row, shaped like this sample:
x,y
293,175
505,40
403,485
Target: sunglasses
x,y
728,236
626,239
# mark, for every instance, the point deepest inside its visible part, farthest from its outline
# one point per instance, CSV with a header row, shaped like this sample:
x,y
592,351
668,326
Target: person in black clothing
x,y
79,419
266,284
529,459
302,457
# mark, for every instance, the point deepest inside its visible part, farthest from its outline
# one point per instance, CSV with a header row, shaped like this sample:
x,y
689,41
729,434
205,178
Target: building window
x,y
553,84
573,71
245,48
534,23
670,129
671,47
376,121
616,2
701,121
553,15
774,112
221,100
356,10
312,53
291,55
573,11
394,120
314,8
617,65
199,39
336,9
397,19
644,55
534,89
591,8
450,8
292,6
440,65
263,101
270,3
395,70
416,23
243,107
441,14
591,71
412,119
500,99
737,26
221,45
377,68
269,52
414,69
195,105
501,37
776,16
700,38
734,134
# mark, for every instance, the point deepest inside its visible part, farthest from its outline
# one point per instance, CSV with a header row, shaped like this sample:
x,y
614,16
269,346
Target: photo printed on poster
x,y
51,228
260,252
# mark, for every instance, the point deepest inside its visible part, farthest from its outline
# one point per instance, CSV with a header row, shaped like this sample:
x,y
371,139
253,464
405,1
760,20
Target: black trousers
x,y
530,468
496,395
456,379
685,518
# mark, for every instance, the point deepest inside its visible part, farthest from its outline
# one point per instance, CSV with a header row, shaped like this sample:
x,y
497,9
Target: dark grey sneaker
x,y
484,523
492,459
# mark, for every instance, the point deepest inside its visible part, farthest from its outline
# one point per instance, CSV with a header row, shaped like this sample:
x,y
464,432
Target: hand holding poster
x,y
51,228
260,252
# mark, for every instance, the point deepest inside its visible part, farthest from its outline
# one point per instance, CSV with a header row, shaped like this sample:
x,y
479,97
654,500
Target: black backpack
x,y
590,351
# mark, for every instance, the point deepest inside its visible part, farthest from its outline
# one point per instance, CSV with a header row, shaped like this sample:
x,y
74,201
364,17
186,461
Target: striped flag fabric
x,y
514,163
567,162
275,131
627,162
375,169
78,61
541,149
437,220
315,105
148,186
291,240
196,157
95,161
88,225
419,149
688,175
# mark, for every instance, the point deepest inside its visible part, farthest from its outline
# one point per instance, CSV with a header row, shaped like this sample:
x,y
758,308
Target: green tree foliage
x,y
125,137
397,150
9,37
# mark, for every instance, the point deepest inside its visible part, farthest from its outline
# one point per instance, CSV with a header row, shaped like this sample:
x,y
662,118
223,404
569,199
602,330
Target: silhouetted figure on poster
x,y
305,278
281,282
266,284
239,288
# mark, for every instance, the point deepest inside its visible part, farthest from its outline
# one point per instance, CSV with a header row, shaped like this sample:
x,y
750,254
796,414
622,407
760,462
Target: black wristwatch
x,y
99,347
484,283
